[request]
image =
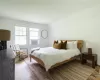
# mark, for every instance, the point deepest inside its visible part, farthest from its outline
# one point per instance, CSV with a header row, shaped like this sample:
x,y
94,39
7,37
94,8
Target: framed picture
x,y
44,34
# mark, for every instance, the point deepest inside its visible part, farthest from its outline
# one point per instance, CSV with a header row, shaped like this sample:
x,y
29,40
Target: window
x,y
21,38
34,36
20,35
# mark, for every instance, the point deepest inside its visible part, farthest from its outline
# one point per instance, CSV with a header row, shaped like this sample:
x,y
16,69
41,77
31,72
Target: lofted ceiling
x,y
43,11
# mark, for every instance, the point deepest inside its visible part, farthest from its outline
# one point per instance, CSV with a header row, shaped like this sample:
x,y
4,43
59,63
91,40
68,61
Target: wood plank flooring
x,y
27,70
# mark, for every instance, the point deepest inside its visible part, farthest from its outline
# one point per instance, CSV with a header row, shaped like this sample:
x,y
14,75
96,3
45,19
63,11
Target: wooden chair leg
x,y
19,57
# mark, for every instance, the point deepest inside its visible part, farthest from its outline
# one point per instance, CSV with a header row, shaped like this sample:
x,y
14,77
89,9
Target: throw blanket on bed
x,y
34,49
51,56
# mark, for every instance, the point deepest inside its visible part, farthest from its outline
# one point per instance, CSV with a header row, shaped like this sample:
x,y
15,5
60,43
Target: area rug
x,y
73,70
95,75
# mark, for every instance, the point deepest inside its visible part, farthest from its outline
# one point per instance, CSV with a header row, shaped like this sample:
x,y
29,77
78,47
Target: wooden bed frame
x,y
79,46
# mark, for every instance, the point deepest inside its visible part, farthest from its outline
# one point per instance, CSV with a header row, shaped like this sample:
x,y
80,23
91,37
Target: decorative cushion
x,y
63,44
55,42
57,45
72,45
75,44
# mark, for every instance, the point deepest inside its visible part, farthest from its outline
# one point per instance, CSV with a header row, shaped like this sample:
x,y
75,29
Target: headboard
x,y
79,43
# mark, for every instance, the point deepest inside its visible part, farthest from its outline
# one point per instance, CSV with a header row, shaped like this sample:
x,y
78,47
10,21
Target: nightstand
x,y
90,57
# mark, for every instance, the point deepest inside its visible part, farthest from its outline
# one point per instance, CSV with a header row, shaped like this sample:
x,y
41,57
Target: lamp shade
x,y
88,45
4,35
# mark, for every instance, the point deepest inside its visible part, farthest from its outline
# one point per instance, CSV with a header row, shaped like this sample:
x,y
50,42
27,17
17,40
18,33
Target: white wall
x,y
83,25
9,24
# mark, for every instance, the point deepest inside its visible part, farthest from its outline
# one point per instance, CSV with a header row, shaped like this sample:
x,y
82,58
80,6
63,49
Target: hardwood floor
x,y
24,72
27,70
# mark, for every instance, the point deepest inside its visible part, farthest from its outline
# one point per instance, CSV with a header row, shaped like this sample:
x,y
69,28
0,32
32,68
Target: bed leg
x,y
30,58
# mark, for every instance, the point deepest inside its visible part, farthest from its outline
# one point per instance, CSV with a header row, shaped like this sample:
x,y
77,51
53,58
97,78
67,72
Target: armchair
x,y
20,53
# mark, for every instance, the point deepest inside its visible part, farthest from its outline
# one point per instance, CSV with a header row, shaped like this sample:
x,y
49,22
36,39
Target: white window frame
x,y
34,30
21,34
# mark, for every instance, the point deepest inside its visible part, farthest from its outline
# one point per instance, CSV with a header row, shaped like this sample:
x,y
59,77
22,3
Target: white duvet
x,y
51,56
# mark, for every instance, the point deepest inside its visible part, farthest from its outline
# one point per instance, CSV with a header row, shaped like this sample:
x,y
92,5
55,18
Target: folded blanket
x,y
34,49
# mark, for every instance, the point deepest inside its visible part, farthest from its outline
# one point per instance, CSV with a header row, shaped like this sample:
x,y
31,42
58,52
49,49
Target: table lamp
x,y
4,37
88,45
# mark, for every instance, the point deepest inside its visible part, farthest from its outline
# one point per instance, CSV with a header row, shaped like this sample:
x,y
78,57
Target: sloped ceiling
x,y
43,11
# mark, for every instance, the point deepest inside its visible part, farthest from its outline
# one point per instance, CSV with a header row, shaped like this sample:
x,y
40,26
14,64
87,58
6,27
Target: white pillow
x,y
72,45
75,44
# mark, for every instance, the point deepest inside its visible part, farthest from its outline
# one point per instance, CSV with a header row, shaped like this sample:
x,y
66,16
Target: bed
x,y
50,57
